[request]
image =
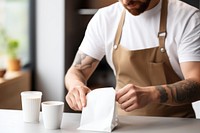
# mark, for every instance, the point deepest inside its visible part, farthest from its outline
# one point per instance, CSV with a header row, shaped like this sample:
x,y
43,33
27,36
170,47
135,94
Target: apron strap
x,y
119,30
162,34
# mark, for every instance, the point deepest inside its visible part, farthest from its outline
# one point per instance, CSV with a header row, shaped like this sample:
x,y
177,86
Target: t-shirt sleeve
x,y
93,41
189,48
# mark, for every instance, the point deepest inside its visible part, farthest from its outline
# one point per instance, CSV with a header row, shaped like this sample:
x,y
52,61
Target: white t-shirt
x,y
140,32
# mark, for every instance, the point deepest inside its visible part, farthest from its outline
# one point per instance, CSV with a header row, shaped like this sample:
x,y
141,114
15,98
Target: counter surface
x,y
11,122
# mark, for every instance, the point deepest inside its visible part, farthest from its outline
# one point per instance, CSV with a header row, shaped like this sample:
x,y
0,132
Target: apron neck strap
x,y
162,34
119,29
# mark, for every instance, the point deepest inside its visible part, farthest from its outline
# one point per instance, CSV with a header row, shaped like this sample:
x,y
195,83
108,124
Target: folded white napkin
x,y
100,113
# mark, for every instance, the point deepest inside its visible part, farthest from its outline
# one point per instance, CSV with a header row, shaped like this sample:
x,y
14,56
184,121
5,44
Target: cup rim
x,y
52,103
27,93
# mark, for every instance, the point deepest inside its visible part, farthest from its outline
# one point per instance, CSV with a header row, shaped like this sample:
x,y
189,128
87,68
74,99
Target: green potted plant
x,y
13,63
9,48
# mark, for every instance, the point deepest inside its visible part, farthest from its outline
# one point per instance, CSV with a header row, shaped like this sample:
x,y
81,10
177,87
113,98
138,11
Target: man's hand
x,y
76,97
132,97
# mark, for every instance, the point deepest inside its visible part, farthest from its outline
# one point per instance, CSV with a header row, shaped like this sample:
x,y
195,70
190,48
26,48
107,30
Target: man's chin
x,y
135,12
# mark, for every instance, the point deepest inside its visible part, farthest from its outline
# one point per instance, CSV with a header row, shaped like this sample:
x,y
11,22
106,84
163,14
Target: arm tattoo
x,y
163,94
182,92
83,61
186,91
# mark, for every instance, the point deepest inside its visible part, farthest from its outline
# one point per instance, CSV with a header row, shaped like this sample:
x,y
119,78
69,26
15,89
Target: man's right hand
x,y
76,97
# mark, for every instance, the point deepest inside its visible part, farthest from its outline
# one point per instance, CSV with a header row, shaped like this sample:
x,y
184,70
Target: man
x,y
153,47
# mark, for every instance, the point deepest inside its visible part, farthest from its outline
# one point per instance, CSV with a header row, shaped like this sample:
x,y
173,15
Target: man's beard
x,y
136,7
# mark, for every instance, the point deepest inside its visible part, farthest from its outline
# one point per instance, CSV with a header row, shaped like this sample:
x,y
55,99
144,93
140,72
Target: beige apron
x,y
147,67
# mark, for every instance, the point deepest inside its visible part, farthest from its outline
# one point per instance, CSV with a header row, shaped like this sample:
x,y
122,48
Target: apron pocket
x,y
156,73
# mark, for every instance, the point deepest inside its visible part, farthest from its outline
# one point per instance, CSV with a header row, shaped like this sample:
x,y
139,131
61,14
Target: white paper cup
x,y
52,112
31,101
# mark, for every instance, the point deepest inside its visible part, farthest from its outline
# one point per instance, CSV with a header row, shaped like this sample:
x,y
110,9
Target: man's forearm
x,y
73,78
179,93
80,71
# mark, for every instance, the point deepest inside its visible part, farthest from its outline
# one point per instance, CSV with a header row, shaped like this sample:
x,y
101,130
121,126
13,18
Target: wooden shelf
x,y
87,11
10,88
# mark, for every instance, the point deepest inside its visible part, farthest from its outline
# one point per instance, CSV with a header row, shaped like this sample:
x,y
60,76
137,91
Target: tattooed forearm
x,y
179,93
186,91
83,61
163,94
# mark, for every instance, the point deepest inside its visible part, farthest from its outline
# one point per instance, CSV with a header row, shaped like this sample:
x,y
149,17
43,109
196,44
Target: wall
x,y
49,75
195,3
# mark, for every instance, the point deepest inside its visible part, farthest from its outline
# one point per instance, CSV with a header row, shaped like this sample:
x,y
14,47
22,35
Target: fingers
x,y
78,104
129,105
121,92
82,95
132,107
127,98
70,100
76,97
125,93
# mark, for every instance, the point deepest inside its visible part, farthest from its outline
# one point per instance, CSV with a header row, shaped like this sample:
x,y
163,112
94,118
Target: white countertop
x,y
11,122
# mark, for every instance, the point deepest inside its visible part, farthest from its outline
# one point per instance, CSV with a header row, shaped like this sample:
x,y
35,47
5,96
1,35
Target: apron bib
x,y
147,67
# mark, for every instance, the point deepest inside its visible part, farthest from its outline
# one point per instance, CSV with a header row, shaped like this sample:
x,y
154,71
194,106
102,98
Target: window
x,y
14,20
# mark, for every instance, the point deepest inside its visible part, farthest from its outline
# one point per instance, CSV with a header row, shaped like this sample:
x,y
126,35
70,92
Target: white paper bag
x,y
100,113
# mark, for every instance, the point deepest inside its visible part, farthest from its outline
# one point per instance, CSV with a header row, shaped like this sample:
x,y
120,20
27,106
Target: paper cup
x,y
31,101
52,112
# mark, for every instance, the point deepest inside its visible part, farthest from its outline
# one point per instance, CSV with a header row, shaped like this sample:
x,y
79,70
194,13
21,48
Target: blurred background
x,y
46,35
